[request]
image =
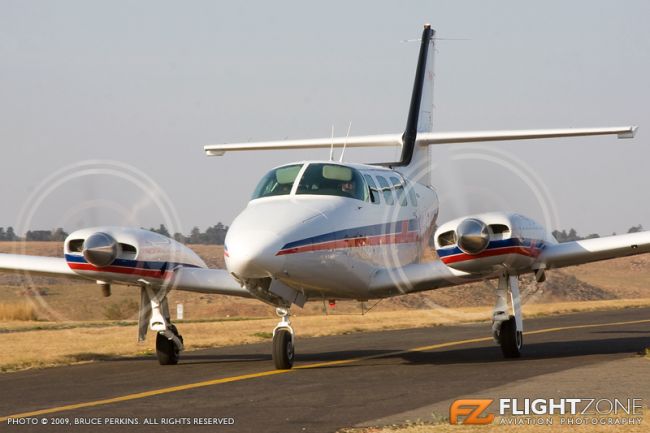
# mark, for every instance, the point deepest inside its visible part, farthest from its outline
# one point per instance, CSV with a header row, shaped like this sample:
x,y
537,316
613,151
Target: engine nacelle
x,y
491,242
125,255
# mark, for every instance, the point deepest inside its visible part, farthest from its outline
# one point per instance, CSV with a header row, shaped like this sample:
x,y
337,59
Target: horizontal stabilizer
x,y
522,134
313,143
423,139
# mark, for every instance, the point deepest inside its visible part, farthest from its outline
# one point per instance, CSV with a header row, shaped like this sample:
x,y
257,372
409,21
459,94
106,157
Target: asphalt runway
x,y
338,381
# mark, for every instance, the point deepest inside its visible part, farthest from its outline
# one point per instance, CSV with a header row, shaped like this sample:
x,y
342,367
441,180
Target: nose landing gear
x,y
283,341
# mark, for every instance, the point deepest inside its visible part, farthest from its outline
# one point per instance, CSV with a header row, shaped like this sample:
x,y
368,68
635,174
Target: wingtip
x,y
629,133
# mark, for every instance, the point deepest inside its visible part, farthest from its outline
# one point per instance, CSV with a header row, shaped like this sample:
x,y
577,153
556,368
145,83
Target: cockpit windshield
x,y
333,179
277,182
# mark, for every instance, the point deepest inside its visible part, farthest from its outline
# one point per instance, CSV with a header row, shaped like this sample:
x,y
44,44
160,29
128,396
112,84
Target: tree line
x,y
9,234
214,235
572,234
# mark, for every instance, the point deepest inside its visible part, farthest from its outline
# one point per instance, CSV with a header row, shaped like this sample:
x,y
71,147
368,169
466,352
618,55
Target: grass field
x,y
495,427
44,344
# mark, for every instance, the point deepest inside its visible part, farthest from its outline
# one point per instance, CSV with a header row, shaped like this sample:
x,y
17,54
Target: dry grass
x,y
17,311
498,428
34,345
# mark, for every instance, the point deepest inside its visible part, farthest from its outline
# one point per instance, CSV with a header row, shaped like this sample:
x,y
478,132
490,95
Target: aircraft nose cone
x,y
252,253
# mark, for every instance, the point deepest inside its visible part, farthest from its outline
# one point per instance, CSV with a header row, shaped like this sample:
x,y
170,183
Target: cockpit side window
x,y
333,179
399,190
386,189
277,182
372,186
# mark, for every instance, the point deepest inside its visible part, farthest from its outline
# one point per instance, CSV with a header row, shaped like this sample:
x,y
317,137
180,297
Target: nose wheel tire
x,y
166,351
283,349
510,340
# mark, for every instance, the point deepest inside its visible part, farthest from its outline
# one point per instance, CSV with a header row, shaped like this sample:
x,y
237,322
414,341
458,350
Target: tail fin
x,y
420,116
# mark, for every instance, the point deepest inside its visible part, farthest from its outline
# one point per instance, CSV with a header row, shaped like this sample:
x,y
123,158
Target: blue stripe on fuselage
x,y
356,232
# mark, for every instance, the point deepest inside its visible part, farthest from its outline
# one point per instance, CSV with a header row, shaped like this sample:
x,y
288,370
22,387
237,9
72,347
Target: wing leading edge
x,y
51,266
593,250
213,281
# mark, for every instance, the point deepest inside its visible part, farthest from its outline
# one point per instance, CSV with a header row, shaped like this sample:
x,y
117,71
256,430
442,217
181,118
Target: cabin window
x,y
277,182
399,190
372,187
386,190
333,179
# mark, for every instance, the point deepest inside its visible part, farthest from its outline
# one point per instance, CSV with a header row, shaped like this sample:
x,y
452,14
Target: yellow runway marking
x,y
207,383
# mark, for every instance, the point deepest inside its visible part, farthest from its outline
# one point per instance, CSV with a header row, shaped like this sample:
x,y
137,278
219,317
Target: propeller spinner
x,y
473,236
100,249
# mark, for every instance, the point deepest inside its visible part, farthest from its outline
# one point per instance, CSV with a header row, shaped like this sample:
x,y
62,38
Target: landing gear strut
x,y
154,312
283,347
507,329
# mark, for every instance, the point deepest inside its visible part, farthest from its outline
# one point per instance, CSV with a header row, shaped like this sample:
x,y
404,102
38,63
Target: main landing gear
x,y
507,329
283,347
154,314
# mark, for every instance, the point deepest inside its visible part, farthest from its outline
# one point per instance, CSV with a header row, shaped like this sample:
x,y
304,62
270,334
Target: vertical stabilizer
x,y
414,160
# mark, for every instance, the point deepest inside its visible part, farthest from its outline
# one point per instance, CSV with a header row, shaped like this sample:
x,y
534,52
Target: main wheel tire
x,y
166,350
283,350
510,340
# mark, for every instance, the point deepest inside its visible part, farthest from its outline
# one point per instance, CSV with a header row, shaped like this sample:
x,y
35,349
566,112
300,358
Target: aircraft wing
x,y
211,281
423,139
50,266
434,275
593,250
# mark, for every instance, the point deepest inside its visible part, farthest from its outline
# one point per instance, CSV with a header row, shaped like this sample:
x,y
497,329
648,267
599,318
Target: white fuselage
x,y
328,245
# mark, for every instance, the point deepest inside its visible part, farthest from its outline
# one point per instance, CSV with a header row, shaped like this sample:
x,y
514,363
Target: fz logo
x,y
472,410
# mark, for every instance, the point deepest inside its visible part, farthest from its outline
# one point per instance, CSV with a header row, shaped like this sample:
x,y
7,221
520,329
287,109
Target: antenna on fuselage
x,y
332,145
346,141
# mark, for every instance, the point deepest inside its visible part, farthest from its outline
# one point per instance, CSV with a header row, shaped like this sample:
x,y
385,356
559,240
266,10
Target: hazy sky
x,y
148,83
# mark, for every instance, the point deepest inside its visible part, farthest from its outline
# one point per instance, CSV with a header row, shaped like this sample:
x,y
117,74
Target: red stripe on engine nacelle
x,y
530,252
120,270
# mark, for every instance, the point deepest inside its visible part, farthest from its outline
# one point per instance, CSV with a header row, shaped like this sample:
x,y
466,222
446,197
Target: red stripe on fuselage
x,y
525,251
395,238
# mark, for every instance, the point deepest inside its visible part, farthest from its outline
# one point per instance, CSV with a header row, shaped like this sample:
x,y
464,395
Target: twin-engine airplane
x,y
318,230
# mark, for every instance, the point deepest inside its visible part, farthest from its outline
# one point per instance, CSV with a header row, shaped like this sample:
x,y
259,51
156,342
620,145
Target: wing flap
x,y
593,250
211,281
